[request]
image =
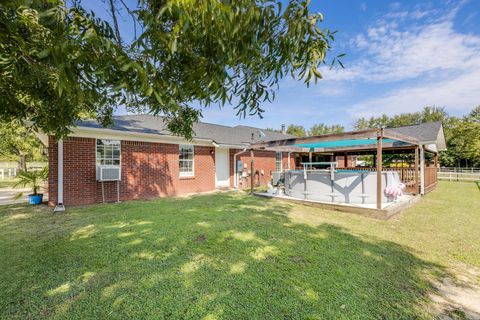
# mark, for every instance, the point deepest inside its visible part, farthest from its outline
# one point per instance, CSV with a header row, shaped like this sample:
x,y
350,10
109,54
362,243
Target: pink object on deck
x,y
395,191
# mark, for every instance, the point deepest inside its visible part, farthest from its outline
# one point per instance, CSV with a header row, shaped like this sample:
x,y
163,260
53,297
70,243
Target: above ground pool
x,y
341,186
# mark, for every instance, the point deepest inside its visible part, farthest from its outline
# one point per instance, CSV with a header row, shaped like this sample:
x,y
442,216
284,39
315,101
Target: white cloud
x,y
331,89
391,55
459,94
395,5
402,46
363,6
420,46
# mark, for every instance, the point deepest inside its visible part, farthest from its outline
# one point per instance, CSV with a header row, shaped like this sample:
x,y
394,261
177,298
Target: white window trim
x,y
187,174
281,160
109,166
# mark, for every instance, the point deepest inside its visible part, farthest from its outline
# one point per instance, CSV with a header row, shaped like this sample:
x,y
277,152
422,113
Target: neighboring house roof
x,y
428,133
225,135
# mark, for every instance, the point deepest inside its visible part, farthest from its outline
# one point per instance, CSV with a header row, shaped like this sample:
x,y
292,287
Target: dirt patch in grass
x,y
200,238
457,297
298,259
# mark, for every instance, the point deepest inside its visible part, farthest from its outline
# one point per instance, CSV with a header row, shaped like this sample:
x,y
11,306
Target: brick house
x,y
138,158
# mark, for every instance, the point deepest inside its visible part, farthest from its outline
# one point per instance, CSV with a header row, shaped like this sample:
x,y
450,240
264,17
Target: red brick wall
x,y
78,171
351,161
263,160
148,170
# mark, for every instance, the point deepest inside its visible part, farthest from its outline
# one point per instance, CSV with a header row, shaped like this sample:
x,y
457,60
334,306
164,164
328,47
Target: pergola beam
x,y
365,134
389,134
370,151
387,146
366,147
283,149
291,145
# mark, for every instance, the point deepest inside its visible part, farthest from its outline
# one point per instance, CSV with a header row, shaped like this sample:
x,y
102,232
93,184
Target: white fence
x,y
458,176
459,169
8,173
9,170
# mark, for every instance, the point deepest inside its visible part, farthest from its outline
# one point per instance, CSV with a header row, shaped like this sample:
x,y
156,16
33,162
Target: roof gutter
x,y
129,135
231,146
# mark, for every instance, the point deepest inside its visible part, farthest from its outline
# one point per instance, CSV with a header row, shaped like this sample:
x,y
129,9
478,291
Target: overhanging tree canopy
x,y
58,62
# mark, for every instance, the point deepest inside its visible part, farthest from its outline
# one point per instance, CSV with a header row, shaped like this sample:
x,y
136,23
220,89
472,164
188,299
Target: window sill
x,y
187,177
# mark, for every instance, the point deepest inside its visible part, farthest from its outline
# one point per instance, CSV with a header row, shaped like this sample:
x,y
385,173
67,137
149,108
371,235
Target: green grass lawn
x,y
233,256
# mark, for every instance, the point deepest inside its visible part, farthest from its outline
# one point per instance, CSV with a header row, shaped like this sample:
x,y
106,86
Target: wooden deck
x,y
385,213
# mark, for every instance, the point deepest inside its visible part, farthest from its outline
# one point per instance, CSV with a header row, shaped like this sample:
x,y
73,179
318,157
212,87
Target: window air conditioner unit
x,y
108,173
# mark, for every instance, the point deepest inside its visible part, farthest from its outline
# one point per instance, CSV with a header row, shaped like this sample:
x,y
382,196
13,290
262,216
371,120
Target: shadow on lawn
x,y
217,256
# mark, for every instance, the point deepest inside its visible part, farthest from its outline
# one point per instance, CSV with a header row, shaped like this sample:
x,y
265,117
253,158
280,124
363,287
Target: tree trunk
x,y
22,163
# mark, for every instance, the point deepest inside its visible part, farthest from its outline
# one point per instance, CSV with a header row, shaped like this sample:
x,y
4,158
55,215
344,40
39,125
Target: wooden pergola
x,y
373,141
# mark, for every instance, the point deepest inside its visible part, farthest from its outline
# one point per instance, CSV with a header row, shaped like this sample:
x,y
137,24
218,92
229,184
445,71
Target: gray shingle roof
x,y
428,132
238,135
423,132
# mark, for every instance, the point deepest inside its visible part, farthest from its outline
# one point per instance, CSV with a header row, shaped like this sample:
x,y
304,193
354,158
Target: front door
x,y
222,168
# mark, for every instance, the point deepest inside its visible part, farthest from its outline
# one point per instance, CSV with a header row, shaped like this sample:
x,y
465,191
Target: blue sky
x,y
400,57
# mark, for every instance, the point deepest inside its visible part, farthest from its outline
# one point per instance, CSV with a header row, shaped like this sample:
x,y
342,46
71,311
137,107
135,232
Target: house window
x,y
108,152
278,161
186,160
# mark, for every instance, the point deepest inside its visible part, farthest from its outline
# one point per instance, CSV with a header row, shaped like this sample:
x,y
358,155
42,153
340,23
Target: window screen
x,y
108,152
186,158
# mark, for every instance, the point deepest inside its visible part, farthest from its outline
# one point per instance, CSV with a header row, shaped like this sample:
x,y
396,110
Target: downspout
x,y
252,172
59,207
235,178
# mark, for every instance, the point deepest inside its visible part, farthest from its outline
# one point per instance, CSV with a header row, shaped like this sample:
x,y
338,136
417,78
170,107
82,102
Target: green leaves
x,y
44,53
315,130
296,130
32,179
62,62
321,128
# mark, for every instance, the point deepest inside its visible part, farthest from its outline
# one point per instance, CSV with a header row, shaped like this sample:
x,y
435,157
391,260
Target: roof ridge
x,y
152,115
124,117
266,129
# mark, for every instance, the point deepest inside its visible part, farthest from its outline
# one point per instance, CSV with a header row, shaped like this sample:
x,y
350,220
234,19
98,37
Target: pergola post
x,y
345,160
379,168
422,170
416,170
